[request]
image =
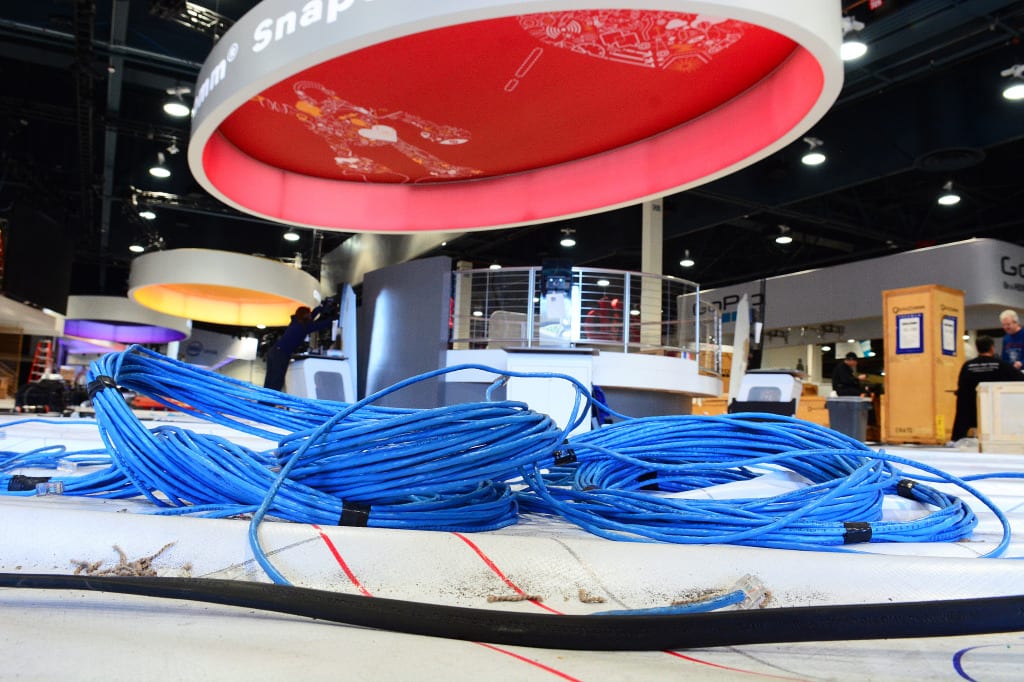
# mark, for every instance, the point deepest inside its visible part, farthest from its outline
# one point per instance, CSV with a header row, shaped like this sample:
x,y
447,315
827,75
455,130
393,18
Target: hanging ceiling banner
x,y
406,116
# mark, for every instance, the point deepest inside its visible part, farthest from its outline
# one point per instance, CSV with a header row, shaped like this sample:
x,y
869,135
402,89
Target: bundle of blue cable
x,y
107,482
629,479
451,468
336,463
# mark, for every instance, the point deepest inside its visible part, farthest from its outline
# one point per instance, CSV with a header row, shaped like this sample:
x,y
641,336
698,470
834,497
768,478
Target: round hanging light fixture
x,y
121,320
221,287
434,145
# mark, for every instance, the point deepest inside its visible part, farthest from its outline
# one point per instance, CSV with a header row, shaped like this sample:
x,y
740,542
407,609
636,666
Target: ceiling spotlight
x,y
603,283
291,236
784,236
146,214
853,47
1015,90
948,197
813,156
567,237
137,248
176,105
687,262
495,266
160,170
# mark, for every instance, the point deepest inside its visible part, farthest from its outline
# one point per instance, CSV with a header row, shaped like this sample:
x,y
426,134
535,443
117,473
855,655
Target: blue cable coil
x,y
478,466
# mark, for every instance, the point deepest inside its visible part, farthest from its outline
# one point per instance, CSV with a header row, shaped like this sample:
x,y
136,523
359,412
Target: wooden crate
x,y
1001,416
922,329
812,408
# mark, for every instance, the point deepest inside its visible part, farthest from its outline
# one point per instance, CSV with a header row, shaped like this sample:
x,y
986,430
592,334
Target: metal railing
x,y
613,310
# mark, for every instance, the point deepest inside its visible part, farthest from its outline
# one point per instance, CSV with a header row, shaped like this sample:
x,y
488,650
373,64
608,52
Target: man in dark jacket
x,y
845,380
985,367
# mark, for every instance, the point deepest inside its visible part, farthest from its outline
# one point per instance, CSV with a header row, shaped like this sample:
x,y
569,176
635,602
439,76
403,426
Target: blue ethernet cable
x,y
478,466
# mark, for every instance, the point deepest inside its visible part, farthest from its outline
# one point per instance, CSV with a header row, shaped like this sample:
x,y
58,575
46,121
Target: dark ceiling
x,y
82,121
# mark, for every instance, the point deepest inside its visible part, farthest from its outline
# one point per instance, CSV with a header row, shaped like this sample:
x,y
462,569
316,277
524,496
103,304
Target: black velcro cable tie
x,y
19,483
99,383
649,476
905,488
563,457
354,514
856,531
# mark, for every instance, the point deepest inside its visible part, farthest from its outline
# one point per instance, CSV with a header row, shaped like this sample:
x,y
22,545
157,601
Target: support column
x,y
650,262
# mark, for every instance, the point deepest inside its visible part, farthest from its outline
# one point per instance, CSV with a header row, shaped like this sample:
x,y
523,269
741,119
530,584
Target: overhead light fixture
x,y
146,214
687,262
291,236
784,236
176,106
813,156
567,237
222,287
1015,90
137,248
603,283
949,197
853,47
160,170
495,266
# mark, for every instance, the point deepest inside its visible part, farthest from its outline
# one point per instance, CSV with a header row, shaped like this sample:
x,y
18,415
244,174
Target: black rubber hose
x,y
595,633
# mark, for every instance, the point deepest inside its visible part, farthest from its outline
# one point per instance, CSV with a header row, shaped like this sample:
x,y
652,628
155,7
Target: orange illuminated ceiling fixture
x,y
221,287
454,115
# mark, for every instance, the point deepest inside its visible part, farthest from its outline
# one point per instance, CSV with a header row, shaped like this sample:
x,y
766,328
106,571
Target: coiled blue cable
x,y
456,467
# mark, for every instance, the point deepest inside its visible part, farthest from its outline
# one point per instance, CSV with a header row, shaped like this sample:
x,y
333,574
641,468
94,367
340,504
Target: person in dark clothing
x,y
985,367
304,322
845,380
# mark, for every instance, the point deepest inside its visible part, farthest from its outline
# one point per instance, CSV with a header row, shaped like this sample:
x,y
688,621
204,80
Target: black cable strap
x,y
99,383
856,531
354,514
905,488
20,483
564,457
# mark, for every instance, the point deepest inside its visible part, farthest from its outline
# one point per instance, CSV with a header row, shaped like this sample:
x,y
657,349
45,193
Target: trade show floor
x,y
540,565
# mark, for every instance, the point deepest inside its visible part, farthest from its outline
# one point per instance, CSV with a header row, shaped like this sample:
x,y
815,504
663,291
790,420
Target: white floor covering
x,y
46,635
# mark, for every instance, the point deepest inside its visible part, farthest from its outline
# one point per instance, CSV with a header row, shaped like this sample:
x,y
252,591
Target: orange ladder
x,y
42,361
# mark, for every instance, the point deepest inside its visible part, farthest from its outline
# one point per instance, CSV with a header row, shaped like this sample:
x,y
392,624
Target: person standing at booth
x,y
985,367
303,323
845,380
1013,342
